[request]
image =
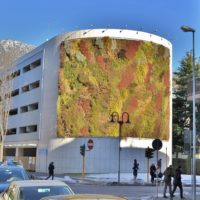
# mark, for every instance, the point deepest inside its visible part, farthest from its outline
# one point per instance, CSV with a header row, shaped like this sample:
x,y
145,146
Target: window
x,y
13,111
33,106
27,68
11,131
31,86
28,129
14,92
34,85
24,109
35,64
25,88
16,73
30,107
32,128
32,66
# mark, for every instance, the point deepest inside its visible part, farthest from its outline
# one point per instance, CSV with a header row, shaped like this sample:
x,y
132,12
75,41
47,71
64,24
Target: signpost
x,y
90,144
157,145
148,155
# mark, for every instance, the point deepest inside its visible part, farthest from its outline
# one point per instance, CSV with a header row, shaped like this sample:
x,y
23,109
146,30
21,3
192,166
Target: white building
x,y
33,119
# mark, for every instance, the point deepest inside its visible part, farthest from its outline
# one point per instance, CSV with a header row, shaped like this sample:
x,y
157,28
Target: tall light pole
x,y
189,29
116,119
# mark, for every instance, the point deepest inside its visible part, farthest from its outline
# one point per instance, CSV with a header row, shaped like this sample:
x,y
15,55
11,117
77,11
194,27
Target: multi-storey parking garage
x,y
66,89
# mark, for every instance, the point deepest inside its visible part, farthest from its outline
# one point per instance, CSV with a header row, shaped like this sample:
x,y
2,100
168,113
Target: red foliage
x,y
131,49
85,131
158,102
152,88
161,50
62,53
148,76
166,78
157,129
133,105
100,60
85,50
127,77
85,104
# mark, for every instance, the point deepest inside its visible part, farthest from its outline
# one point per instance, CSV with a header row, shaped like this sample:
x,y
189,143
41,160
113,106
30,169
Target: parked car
x,y
84,197
12,163
11,173
35,189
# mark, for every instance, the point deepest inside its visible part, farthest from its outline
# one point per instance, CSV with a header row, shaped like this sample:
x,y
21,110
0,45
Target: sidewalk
x,y
111,178
128,178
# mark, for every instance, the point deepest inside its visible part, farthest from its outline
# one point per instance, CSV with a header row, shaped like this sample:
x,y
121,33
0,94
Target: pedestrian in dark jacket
x,y
177,182
159,165
51,170
168,173
135,169
153,172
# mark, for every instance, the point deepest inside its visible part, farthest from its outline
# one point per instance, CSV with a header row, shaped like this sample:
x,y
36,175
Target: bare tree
x,y
6,77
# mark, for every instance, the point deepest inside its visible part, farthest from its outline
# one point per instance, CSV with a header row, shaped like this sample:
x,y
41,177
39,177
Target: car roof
x,y
84,196
11,167
32,183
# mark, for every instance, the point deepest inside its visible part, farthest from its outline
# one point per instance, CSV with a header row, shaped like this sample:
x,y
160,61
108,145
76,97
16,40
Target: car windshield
x,y
36,193
11,174
12,162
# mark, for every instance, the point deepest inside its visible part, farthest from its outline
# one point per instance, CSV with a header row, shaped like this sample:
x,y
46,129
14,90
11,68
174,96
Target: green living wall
x,y
98,76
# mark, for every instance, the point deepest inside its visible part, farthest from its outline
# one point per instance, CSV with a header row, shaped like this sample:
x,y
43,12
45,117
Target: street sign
x,y
157,144
90,144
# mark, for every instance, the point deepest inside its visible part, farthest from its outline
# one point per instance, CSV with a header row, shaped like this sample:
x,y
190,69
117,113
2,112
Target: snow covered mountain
x,y
10,50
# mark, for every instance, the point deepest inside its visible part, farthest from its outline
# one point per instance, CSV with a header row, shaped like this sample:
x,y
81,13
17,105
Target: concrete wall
x,y
103,158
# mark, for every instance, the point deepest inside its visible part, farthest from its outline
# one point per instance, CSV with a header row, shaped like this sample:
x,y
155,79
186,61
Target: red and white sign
x,y
90,144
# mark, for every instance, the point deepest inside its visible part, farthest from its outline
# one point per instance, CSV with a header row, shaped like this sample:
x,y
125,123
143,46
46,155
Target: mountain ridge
x,y
11,50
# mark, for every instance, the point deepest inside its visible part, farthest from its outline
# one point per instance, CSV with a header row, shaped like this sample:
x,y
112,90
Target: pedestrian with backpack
x,y
177,182
168,174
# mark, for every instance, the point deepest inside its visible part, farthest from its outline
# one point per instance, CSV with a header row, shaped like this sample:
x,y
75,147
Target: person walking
x,y
159,165
51,170
177,182
168,174
135,169
152,172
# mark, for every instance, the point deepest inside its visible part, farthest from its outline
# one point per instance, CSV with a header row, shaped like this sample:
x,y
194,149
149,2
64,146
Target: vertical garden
x,y
100,75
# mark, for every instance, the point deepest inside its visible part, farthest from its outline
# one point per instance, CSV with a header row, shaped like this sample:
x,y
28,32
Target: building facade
x,y
66,89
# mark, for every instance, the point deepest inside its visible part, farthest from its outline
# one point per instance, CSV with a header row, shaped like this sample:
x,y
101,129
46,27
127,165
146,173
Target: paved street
x,y
130,192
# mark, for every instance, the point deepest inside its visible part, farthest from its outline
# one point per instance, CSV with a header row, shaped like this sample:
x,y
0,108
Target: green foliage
x,y
182,108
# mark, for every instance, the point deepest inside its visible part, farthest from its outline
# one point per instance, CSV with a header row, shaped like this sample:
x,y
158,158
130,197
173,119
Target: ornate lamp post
x,y
189,29
116,119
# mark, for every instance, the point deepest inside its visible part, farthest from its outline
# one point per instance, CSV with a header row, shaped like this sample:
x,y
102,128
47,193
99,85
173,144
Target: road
x,y
130,192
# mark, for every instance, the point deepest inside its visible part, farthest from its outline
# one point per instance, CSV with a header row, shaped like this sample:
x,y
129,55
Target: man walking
x,y
135,169
178,182
167,180
51,171
152,172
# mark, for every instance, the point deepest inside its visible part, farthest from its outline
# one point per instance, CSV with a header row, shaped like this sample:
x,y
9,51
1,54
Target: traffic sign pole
x,y
83,166
147,170
157,145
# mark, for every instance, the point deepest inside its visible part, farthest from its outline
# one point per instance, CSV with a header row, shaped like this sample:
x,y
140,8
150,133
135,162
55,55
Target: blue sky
x,y
35,21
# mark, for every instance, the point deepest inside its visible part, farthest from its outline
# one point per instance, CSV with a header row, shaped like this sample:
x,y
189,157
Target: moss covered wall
x,y
98,76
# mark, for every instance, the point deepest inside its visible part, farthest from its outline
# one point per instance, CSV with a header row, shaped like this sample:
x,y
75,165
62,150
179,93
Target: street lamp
x,y
189,29
116,119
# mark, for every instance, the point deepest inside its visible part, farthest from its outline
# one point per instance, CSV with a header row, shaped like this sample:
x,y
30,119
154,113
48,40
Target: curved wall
x,y
101,75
